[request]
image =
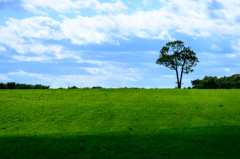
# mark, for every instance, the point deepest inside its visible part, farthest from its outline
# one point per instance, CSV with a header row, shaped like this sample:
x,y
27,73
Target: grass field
x,y
119,123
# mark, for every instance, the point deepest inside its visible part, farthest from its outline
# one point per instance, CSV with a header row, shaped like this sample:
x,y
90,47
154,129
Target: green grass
x,y
119,123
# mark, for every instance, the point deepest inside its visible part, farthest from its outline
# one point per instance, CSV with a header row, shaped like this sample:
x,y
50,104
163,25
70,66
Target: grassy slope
x,y
119,123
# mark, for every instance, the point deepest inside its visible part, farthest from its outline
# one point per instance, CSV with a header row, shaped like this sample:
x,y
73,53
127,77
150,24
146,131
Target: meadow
x,y
120,123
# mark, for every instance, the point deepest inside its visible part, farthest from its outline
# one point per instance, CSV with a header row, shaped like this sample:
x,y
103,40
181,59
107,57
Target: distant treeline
x,y
99,87
208,82
13,85
213,82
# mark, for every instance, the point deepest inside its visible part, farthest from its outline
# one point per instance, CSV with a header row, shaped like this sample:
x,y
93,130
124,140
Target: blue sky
x,y
114,43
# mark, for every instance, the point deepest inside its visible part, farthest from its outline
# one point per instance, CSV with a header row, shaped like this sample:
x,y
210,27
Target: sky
x,y
115,43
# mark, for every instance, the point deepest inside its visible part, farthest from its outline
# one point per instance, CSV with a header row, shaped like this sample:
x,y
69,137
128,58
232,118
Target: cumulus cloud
x,y
21,35
4,78
164,36
39,6
186,17
85,30
2,48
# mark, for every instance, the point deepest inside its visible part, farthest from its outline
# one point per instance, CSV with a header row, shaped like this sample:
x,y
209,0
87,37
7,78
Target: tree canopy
x,y
213,82
175,54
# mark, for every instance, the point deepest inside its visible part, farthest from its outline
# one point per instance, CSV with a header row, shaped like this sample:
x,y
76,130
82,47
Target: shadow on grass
x,y
202,142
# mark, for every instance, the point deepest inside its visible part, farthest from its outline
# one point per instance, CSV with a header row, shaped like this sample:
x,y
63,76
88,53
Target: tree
x,y
182,56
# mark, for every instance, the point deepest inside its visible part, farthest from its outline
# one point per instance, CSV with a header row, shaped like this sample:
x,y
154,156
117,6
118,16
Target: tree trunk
x,y
182,69
179,86
181,77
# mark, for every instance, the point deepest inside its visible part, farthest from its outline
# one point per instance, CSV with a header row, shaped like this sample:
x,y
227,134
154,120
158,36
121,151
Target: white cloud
x,y
217,55
84,30
144,2
52,57
36,6
231,9
22,73
164,36
129,74
231,55
226,69
187,17
213,55
25,58
152,52
21,35
34,27
169,76
100,29
215,47
2,48
37,48
236,45
97,77
93,71
4,78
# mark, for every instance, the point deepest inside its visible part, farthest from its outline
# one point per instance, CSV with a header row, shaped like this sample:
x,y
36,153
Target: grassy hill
x,y
117,123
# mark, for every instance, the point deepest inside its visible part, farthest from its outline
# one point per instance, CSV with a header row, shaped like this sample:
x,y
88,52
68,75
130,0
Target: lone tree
x,y
181,56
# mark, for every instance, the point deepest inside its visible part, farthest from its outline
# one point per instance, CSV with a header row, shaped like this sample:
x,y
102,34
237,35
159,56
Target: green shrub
x,y
212,82
39,86
73,87
11,85
96,87
3,86
23,86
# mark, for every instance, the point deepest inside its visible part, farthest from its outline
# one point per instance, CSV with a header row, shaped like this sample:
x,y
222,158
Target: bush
x,y
225,84
39,86
3,86
212,82
96,87
236,84
23,86
73,87
209,82
195,82
11,85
